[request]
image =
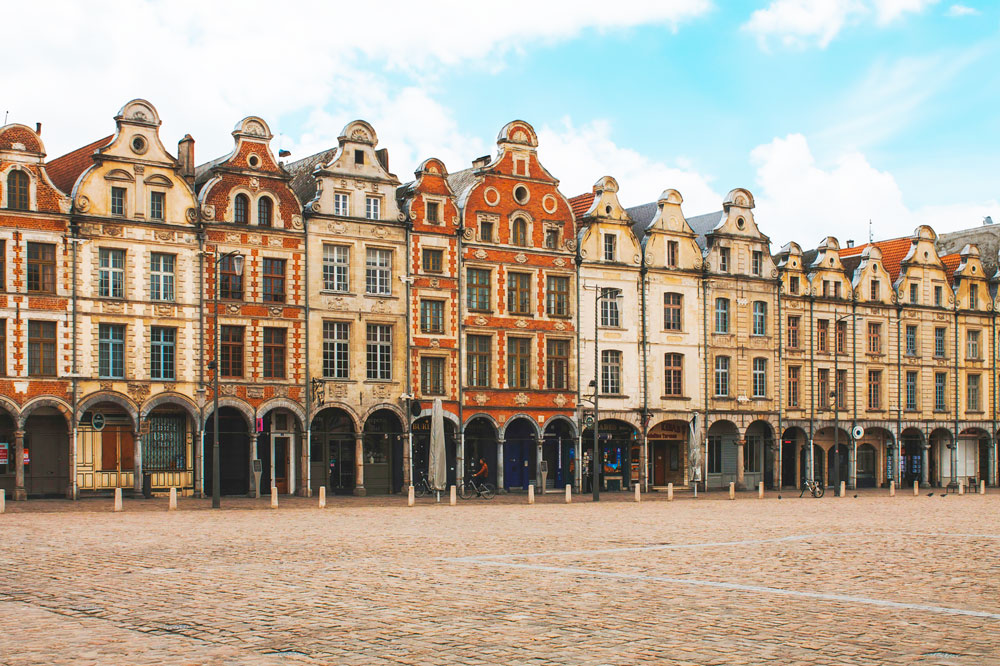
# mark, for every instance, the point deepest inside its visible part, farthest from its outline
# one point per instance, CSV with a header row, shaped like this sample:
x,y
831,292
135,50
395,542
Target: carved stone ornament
x,y
336,303
380,232
107,386
549,203
139,392
163,235
233,308
520,258
227,389
275,311
82,203
191,215
559,261
163,310
560,400
17,145
359,184
138,168
254,128
234,238
380,306
521,399
281,391
401,216
254,239
275,241
256,392
337,390
338,228
560,326
296,221
480,399
112,230
380,391
636,259
468,234
208,212
254,183
481,320
360,135
113,306
435,343
741,200
435,283
570,244
521,323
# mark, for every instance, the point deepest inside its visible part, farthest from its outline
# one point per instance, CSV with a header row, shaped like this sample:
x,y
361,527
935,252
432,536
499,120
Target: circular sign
x,y
588,420
857,432
97,420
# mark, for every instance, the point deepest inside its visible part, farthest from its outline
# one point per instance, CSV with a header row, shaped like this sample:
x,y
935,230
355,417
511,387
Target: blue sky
x,y
832,112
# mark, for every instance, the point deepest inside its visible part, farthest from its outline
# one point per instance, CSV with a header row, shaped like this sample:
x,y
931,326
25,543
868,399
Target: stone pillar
x,y
852,464
499,463
137,462
798,466
359,465
776,471
925,467
538,467
20,493
460,459
304,487
199,463
992,461
407,445
740,452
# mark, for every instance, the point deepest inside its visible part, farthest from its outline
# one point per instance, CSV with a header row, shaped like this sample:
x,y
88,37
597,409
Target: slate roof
x,y
203,172
66,169
303,183
643,214
703,224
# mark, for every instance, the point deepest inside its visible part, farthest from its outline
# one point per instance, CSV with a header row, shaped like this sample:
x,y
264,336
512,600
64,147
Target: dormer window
x,y
486,232
17,190
520,166
938,295
793,285
265,210
875,290
672,251
340,204
118,201
724,259
610,247
914,289
156,205
756,262
519,232
241,209
433,212
551,239
359,157
973,296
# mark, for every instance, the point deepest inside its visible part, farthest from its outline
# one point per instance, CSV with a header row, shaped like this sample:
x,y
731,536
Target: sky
x,y
840,116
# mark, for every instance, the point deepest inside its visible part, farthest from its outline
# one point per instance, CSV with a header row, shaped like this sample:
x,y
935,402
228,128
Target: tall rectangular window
x,y
163,352
972,344
939,346
672,254
611,372
432,375
759,377
911,390
556,364
610,311
156,205
3,265
714,454
518,362
373,208
230,282
973,296
940,391
336,267
671,311
722,315
378,271
341,204
111,351
274,280
841,389
673,375
486,231
794,374
478,289
822,335
610,247
231,351
274,353
118,201
724,259
973,403
874,338
432,260
874,389
793,285
757,262
41,348
911,340
876,290
557,295
336,349
841,337
759,318
111,275
478,360
938,295
823,388
379,352
41,268
433,212
914,293
431,316
721,376
161,277
519,293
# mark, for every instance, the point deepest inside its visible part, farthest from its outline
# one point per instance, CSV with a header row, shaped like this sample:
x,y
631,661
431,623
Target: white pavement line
x,y
737,587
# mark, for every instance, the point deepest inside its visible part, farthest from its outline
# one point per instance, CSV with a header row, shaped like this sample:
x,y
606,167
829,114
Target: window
x,y
379,352
519,293
938,295
875,290
336,347
841,337
973,296
478,361
939,347
721,376
335,267
752,453
794,373
671,311
41,268
478,294
914,290
940,391
231,351
874,389
486,231
714,454
759,377
341,204
274,353
672,254
793,285
827,288
111,351
557,364
841,389
822,335
557,295
373,208
3,347
972,403
972,344
724,259
17,190
41,348
759,318
432,375
794,339
611,372
518,362
673,386
161,277
156,205
433,212
274,280
431,316
610,247
722,315
378,271
359,157
874,338
433,260
163,352
230,283
756,262
610,315
241,209
112,273
265,211
118,201
823,388
519,232
164,448
911,390
551,239
911,340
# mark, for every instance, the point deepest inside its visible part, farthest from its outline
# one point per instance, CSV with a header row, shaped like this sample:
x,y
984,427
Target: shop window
x,y
714,454
164,448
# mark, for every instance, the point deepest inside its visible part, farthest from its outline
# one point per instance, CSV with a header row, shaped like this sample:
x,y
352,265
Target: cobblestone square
x,y
862,580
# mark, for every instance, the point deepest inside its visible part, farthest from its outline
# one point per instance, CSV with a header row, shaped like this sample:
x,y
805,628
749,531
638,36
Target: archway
x,y
8,471
964,456
885,447
279,449
758,456
912,441
867,466
106,445
168,447
235,452
792,445
481,442
558,453
333,451
818,459
382,453
520,438
723,438
668,453
940,455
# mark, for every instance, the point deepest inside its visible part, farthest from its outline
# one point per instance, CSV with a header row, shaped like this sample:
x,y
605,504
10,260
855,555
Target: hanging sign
x,y
3,453
27,458
260,424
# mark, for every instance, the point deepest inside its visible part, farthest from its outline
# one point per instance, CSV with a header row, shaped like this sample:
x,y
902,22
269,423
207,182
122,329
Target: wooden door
x,y
659,464
279,466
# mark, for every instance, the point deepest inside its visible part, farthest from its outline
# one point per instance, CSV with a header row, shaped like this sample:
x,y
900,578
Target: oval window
x,y
521,194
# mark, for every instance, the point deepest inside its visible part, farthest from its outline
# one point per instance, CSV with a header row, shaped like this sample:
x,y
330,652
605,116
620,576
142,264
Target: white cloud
x,y
579,156
961,10
887,11
794,193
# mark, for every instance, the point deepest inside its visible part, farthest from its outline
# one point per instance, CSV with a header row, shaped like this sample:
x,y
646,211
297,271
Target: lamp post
x,y
238,270
835,393
600,293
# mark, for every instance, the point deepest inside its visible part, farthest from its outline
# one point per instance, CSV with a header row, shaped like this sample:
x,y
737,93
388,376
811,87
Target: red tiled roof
x,y
893,252
581,203
951,262
66,169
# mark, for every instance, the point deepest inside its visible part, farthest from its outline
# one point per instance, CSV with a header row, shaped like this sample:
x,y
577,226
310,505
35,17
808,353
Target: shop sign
x,y
3,453
27,458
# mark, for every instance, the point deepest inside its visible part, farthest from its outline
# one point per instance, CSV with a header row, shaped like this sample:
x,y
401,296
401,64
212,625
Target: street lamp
x,y
600,293
835,393
238,270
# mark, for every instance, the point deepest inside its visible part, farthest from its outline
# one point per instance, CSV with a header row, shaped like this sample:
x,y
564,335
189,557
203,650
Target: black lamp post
x,y
238,270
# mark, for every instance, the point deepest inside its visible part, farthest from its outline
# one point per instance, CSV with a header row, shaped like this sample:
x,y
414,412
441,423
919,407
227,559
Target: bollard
x,y
3,500
843,489
916,488
322,497
409,497
118,499
732,490
531,494
452,496
569,493
696,491
760,490
638,498
274,497
670,492
172,505
892,489
982,487
961,487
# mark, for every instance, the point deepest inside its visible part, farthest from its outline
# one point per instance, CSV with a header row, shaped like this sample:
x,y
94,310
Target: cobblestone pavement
x,y
866,580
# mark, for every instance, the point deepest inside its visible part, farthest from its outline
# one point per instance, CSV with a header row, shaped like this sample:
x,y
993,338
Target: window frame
x,y
519,293
336,268
378,352
673,313
673,375
759,318
162,281
373,207
336,352
721,316
111,351
518,362
163,353
378,271
18,193
273,280
478,360
43,267
476,291
231,351
431,316
111,278
157,200
274,357
611,372
241,208
42,360
758,374
721,368
557,351
557,295
230,282
432,259
432,372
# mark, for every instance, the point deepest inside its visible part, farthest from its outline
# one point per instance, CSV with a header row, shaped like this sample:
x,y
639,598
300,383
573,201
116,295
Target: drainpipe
x,y
408,281
993,390
461,339
75,240
708,378
307,453
200,451
954,440
781,367
900,468
579,377
810,458
644,464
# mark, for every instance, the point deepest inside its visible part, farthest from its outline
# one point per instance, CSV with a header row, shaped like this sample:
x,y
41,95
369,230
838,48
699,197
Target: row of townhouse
x,y
324,305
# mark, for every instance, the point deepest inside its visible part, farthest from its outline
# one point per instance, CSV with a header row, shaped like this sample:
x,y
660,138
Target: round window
x,y
254,160
740,223
138,144
521,194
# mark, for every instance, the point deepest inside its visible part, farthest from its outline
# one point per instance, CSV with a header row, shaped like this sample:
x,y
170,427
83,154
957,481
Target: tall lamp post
x,y
600,293
238,270
835,393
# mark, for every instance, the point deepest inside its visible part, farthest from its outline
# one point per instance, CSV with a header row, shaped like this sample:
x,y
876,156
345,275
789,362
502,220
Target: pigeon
x,y
855,497
930,494
779,496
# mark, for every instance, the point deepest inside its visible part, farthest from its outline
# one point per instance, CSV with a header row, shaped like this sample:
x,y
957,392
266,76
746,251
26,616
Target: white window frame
x,y
373,208
341,204
378,271
336,267
162,280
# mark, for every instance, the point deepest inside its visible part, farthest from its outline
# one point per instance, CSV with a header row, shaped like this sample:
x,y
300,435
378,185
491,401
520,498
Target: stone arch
x,y
11,408
448,415
385,405
502,430
45,401
239,405
114,398
559,417
342,406
170,399
283,403
482,415
359,131
520,132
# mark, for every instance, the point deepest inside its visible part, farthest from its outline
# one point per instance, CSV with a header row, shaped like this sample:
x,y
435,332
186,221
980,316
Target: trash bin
x,y
147,485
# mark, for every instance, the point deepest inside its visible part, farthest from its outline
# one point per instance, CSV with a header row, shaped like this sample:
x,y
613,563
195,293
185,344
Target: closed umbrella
x,y
437,473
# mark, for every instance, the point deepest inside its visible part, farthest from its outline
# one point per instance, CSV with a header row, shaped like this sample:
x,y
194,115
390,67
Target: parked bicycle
x,y
422,488
472,489
813,487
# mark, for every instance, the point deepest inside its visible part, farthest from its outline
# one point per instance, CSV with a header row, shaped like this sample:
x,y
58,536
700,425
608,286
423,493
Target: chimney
x,y
38,129
850,242
185,155
480,162
382,155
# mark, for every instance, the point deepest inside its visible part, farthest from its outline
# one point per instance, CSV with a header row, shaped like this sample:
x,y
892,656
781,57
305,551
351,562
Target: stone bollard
x,y
843,489
982,487
916,488
696,491
732,490
760,490
452,496
670,492
892,489
3,500
322,497
409,497
569,493
961,487
172,504
274,497
638,497
118,499
531,494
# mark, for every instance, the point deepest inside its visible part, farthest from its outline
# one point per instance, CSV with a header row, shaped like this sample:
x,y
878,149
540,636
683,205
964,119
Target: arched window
x,y
17,190
520,232
241,211
264,208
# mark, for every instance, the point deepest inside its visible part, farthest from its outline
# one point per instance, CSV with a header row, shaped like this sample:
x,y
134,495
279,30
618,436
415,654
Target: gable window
x,y
759,378
793,285
671,311
373,208
793,385
265,210
551,239
274,280
341,204
938,295
911,340
759,318
477,360
875,290
111,276
378,271
379,352
914,290
432,375
724,259
722,315
433,212
41,268
118,201
721,376
161,277
156,205
478,286
940,391
230,282
241,209
431,316
557,364
611,372
231,351
672,251
939,346
518,362
111,351
757,262
610,249
335,349
162,352
359,157
793,332
41,348
519,232
822,335
911,390
874,338
972,345
557,295
519,293
274,353
335,267
973,296
486,231
673,367
17,190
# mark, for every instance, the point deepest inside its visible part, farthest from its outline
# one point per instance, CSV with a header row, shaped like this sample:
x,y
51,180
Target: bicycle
x,y
422,488
471,489
816,489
